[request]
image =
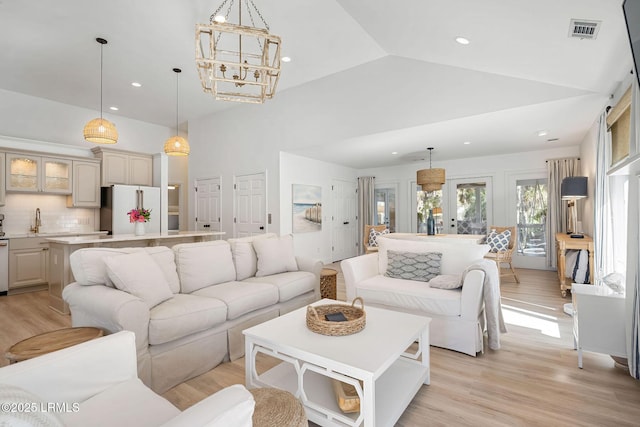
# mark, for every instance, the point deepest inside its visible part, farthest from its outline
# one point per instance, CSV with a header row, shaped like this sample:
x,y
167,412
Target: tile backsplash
x,y
20,214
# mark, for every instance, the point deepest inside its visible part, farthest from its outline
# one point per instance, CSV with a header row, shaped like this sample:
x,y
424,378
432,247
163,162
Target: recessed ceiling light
x,y
114,108
467,142
285,59
136,84
462,40
220,19
543,132
394,152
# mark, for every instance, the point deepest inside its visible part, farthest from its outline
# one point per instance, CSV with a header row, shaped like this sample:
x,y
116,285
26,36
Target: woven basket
x,y
356,318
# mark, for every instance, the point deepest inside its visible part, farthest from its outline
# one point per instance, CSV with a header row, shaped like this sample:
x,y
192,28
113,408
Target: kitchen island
x,y
60,248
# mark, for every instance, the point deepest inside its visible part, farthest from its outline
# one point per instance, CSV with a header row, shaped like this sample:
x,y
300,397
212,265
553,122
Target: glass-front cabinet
x,y
35,174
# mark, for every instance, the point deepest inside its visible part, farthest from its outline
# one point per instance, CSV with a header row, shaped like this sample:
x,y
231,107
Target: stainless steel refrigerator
x,y
117,200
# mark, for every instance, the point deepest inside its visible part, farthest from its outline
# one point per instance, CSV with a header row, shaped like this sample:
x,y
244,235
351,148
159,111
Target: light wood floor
x,y
533,380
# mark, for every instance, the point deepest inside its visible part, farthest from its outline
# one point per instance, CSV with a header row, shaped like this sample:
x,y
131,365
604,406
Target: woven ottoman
x,y
277,408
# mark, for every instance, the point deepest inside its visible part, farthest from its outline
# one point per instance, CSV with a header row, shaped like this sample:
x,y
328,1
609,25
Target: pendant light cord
x,y
101,46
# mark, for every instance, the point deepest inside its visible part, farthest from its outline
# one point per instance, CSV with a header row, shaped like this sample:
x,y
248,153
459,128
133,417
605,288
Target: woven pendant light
x,y
101,130
177,145
431,179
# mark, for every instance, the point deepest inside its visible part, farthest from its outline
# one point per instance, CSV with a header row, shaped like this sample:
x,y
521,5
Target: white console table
x,y
598,320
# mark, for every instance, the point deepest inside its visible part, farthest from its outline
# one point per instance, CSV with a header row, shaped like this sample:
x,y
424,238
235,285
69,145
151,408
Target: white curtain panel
x,y
602,212
557,170
366,208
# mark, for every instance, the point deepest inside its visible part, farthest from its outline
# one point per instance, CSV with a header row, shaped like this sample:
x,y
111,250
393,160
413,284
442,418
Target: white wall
x,y
301,170
588,165
501,168
29,117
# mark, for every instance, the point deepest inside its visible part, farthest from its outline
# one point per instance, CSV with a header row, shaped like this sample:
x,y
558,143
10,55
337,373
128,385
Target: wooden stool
x,y
49,342
328,283
277,408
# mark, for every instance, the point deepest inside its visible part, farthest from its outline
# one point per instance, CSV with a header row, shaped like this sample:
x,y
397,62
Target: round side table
x,y
328,283
49,342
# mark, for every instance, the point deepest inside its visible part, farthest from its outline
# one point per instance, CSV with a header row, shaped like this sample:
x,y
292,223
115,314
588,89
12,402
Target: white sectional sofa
x,y
458,315
188,305
96,384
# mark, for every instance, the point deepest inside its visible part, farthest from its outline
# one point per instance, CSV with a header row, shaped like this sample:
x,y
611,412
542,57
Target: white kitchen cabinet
x,y
598,320
35,174
122,167
28,262
86,185
2,166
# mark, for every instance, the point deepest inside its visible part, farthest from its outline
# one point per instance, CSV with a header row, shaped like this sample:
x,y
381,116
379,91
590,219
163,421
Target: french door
x,y
385,199
470,205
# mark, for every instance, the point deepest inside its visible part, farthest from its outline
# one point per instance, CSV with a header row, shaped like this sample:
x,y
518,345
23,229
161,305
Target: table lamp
x,y
572,189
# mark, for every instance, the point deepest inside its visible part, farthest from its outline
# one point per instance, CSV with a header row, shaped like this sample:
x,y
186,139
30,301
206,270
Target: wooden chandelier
x,y
236,62
431,179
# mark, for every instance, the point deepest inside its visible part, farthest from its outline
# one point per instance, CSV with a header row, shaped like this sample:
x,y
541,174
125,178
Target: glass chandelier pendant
x,y
236,62
177,145
101,130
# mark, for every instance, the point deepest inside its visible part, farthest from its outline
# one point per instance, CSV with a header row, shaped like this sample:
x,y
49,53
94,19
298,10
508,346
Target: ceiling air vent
x,y
583,29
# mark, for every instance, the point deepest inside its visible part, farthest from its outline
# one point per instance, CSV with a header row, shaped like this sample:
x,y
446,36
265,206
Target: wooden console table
x,y
564,242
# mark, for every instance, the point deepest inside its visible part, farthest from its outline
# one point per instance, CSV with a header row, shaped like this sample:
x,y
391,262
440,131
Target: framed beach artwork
x,y
307,208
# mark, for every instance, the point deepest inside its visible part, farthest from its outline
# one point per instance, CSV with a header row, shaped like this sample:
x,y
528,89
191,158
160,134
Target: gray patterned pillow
x,y
421,266
498,242
373,236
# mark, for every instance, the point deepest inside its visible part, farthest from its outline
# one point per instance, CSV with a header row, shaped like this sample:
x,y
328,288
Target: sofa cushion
x,y
275,256
290,284
446,281
183,315
129,403
373,236
203,264
244,256
164,257
138,274
420,266
241,297
456,257
410,294
27,409
88,266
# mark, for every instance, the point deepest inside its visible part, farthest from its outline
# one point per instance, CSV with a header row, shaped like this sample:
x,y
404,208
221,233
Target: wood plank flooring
x,y
534,380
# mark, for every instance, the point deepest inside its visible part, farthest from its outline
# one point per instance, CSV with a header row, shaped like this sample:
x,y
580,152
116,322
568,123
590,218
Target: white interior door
x,y
470,205
344,220
208,197
250,201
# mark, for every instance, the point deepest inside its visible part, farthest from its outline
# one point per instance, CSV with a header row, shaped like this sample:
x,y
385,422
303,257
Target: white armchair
x,y
96,383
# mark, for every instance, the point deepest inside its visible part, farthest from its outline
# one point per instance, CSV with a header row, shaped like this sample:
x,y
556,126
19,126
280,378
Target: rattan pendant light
x,y
177,145
431,179
101,130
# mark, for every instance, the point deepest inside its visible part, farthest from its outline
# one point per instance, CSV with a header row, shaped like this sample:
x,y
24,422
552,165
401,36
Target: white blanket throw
x,y
491,295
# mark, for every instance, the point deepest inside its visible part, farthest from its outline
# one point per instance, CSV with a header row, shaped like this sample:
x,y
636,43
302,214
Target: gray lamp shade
x,y
574,187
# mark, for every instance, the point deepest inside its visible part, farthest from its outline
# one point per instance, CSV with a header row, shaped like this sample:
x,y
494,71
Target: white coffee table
x,y
377,356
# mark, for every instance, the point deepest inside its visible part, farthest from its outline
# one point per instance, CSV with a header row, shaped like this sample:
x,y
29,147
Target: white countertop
x,y
54,234
81,240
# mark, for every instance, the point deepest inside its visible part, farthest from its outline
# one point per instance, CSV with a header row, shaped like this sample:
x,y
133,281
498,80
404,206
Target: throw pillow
x,y
420,266
498,242
275,256
446,281
373,236
139,275
30,409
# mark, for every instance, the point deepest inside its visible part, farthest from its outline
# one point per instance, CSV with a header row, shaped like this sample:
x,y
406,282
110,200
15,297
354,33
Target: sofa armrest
x,y
109,309
356,270
76,373
231,406
312,266
472,298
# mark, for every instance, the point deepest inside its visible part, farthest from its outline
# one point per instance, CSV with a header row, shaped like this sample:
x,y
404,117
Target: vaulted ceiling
x,y
388,74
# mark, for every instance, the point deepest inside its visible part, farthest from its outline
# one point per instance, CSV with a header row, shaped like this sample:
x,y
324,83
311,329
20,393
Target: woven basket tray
x,y
356,318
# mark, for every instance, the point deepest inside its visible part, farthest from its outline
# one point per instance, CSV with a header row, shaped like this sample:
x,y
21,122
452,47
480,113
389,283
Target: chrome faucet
x,y
36,228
